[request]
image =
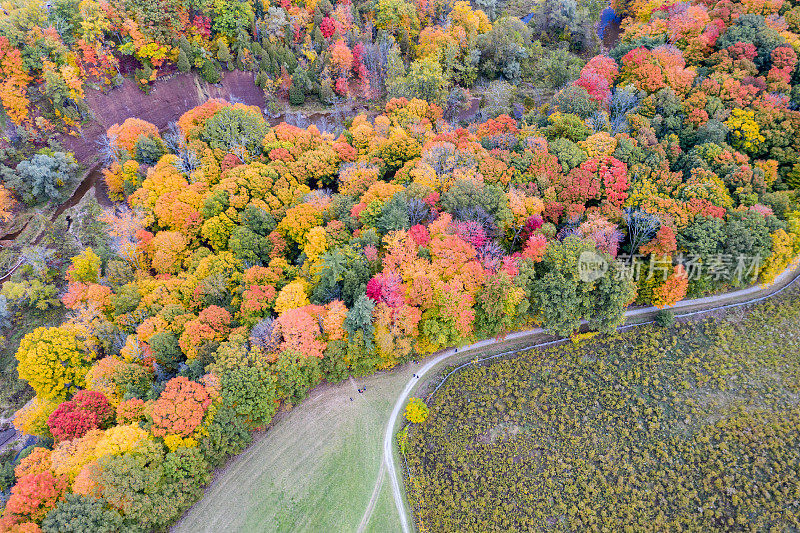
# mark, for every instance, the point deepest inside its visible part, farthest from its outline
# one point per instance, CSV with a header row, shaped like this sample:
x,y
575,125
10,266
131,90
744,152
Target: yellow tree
x,y
54,361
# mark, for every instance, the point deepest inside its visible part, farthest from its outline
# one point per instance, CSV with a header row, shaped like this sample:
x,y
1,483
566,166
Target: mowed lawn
x,y
315,470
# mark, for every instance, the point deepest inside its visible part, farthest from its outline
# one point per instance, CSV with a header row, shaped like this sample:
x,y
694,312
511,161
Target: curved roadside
x,y
526,340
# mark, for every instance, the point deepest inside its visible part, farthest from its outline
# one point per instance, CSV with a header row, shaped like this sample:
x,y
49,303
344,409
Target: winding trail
x,y
373,499
638,317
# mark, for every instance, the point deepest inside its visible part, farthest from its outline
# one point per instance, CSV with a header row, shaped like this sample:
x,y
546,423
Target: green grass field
x,y
314,470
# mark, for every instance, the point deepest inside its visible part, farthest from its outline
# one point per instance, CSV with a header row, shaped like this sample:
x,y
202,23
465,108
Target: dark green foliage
x,y
214,204
344,276
297,95
354,280
750,28
665,318
781,202
126,299
669,113
575,100
224,55
7,477
563,22
148,150
257,220
166,350
560,298
557,68
334,364
262,78
232,126
748,233
135,380
152,488
713,131
295,375
81,514
703,237
464,195
359,319
183,62
228,434
360,355
248,388
628,152
210,71
249,246
341,206
503,48
394,215
300,84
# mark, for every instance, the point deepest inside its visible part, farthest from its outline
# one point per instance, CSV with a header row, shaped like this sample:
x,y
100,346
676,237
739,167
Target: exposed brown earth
x,y
170,96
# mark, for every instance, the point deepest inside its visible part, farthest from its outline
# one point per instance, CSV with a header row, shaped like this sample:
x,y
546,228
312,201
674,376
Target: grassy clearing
x,y
692,428
384,517
314,470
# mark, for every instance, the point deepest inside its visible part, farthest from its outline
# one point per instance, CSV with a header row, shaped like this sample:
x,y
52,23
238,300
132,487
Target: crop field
x,y
315,470
693,427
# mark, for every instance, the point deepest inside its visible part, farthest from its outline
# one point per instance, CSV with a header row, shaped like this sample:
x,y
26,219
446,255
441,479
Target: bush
x,y
665,318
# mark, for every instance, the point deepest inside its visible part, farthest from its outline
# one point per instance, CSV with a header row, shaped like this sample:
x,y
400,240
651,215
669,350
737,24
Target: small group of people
x,y
360,391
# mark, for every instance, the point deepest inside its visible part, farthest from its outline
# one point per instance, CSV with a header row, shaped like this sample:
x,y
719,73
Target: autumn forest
x,y
510,165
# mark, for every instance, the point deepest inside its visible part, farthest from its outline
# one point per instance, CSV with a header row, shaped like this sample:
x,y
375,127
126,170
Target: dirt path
x,y
373,499
637,317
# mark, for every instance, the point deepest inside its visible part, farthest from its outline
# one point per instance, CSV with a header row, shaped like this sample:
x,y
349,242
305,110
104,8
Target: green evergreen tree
x,y
211,72
224,55
183,62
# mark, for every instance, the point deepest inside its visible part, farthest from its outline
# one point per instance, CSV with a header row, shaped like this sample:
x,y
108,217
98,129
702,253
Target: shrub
x,y
665,318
